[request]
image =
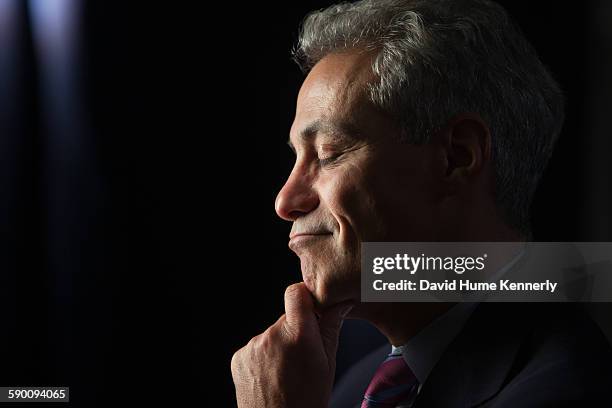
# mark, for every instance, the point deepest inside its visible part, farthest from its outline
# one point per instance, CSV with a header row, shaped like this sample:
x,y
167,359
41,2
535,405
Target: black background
x,y
183,259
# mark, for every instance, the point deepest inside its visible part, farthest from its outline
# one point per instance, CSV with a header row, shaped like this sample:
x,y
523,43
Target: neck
x,y
478,222
400,321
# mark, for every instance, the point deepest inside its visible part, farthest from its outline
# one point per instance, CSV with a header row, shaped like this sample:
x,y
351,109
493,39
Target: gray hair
x,y
438,58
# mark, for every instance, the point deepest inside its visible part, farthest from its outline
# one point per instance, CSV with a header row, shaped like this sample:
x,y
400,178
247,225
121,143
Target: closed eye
x,y
329,160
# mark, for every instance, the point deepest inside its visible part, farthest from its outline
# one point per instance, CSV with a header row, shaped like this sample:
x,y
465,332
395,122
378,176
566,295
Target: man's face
x,y
352,180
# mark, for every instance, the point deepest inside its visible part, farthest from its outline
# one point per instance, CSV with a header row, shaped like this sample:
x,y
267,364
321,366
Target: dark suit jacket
x,y
509,355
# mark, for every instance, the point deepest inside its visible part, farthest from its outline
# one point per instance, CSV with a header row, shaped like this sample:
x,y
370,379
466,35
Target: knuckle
x,y
253,343
235,362
261,342
267,338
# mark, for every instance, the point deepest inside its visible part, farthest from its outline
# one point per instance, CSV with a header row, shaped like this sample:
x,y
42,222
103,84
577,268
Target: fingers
x,y
299,308
290,350
301,321
330,324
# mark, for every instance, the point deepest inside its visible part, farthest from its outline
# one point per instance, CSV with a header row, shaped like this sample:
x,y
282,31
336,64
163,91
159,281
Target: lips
x,y
302,239
307,234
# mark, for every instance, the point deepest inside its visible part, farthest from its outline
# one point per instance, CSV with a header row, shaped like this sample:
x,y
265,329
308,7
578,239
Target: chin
x,y
317,288
330,277
323,299
327,292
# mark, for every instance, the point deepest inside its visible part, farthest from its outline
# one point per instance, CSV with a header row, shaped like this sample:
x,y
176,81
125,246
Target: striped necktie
x,y
393,383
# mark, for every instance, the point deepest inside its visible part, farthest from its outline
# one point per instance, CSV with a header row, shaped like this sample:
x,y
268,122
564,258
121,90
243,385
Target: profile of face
x,y
353,180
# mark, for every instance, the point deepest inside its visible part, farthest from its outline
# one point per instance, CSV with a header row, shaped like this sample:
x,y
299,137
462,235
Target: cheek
x,y
386,198
404,204
350,198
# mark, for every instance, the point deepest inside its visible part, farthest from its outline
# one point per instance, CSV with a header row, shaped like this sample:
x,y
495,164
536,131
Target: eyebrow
x,y
341,130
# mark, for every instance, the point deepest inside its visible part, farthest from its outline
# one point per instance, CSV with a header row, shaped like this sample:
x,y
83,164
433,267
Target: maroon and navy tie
x,y
392,384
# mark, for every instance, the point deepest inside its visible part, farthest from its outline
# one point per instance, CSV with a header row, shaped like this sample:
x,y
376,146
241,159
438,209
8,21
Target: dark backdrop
x,y
139,165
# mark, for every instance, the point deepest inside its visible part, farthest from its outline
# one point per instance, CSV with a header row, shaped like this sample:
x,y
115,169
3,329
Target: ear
x,y
466,145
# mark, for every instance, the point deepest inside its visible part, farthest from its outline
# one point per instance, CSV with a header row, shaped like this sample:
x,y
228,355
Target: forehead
x,y
335,91
337,76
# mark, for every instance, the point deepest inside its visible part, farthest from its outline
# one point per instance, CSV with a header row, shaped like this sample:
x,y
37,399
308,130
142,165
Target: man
x,y
418,121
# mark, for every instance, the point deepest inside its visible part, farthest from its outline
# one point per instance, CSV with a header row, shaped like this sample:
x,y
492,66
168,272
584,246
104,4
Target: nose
x,y
297,197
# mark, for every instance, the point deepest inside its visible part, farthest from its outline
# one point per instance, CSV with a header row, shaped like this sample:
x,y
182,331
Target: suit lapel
x,y
477,363
349,391
472,370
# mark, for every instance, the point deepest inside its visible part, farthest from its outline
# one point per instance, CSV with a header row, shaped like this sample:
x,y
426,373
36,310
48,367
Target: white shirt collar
x,y
423,351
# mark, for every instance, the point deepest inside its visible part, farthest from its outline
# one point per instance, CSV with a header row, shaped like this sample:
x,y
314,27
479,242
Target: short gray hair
x,y
438,58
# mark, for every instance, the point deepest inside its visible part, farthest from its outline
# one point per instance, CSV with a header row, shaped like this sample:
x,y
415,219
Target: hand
x,y
291,364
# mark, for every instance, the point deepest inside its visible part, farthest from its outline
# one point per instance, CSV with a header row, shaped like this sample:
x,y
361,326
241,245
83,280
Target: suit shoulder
x,y
565,359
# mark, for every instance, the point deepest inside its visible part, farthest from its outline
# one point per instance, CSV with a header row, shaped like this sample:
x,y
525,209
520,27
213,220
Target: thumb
x,y
330,324
299,309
